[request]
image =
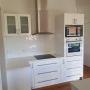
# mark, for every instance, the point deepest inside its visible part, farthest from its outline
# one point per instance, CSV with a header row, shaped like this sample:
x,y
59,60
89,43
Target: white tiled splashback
x,y
22,45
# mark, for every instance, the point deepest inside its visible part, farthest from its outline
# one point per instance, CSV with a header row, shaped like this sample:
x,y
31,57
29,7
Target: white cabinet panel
x,y
48,69
73,71
45,77
47,72
72,74
0,80
79,19
19,78
74,19
46,66
73,64
71,78
72,68
74,58
46,83
69,19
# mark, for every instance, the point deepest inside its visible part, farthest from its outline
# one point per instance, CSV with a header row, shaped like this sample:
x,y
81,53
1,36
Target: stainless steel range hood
x,y
41,17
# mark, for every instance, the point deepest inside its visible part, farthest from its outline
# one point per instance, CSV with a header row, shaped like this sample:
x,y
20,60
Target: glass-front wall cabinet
x,y
24,24
11,25
17,24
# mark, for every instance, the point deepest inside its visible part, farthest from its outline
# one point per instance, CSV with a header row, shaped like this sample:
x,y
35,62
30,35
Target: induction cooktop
x,y
44,56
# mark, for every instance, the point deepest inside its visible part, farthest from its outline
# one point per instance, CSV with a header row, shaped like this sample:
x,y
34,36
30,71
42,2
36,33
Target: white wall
x,y
83,6
57,7
21,46
62,5
20,7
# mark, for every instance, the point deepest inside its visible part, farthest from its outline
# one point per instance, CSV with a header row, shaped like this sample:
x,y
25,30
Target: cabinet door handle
x,y
75,21
48,80
47,64
47,72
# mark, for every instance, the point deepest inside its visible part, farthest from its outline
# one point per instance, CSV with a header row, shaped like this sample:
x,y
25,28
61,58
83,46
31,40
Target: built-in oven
x,y
73,30
74,48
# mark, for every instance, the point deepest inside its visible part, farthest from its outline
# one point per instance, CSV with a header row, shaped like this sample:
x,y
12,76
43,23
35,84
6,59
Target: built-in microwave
x,y
73,30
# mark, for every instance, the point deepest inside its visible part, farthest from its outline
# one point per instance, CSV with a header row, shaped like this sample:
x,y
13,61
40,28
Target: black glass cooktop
x,y
45,56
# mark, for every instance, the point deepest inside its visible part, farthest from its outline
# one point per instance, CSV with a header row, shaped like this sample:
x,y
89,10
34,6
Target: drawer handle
x,y
72,75
48,80
46,64
74,68
46,72
74,61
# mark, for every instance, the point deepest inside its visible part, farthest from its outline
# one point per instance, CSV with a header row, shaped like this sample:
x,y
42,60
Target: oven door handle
x,y
79,41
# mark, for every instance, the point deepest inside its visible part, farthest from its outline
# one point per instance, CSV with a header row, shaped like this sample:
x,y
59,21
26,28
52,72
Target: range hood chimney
x,y
41,17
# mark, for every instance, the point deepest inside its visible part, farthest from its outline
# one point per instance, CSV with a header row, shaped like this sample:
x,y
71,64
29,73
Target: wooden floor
x,y
67,86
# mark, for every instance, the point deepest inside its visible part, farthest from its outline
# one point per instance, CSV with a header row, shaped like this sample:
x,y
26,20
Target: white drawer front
x,y
74,58
47,72
71,78
73,71
45,62
47,83
73,64
47,69
46,77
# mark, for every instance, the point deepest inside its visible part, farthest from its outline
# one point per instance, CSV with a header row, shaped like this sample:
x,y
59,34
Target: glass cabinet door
x,y
16,24
24,24
11,25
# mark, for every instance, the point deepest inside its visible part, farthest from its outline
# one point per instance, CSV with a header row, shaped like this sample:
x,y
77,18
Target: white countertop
x,y
20,62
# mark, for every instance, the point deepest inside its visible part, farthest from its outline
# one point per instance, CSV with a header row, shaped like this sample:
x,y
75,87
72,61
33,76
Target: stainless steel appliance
x,y
74,47
73,30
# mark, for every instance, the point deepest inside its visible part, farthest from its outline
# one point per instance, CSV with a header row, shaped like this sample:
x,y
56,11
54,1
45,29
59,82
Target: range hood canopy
x,y
41,17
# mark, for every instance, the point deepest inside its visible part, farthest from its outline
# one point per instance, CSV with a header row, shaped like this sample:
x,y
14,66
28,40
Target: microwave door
x,y
73,31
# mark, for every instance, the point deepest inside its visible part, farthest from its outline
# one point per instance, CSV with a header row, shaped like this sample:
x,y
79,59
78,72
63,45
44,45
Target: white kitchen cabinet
x,y
0,80
47,72
19,78
74,19
72,68
17,24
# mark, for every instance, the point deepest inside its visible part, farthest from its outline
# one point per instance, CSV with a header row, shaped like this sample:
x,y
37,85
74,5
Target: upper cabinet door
x,y
69,19
10,24
79,19
16,24
74,19
25,27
